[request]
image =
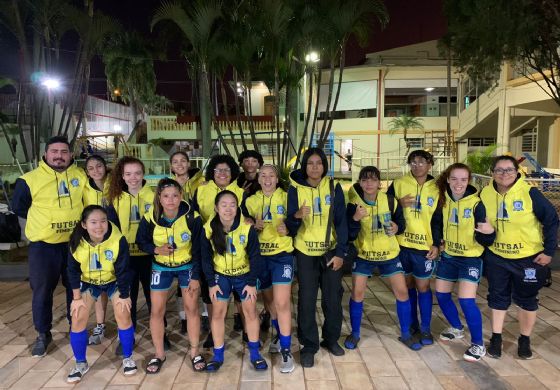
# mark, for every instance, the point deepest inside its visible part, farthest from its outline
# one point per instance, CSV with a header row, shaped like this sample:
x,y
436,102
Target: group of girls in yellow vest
x,y
212,234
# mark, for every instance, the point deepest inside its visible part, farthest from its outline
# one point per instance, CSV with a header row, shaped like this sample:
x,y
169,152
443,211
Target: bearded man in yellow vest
x,y
526,226
50,199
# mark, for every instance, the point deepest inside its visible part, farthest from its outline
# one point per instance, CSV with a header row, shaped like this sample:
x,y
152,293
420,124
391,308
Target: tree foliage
x,y
482,34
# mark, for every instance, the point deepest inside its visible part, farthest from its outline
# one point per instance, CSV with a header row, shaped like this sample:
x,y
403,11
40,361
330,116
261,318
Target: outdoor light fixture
x,y
50,83
117,128
429,89
116,92
312,57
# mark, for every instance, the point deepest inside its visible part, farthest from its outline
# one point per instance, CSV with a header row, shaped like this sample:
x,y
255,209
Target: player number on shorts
x,y
155,278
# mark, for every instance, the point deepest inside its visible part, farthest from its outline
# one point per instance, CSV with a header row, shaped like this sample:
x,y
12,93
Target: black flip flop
x,y
197,360
155,362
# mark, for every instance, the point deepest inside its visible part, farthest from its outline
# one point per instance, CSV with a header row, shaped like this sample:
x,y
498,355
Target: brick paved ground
x,y
380,362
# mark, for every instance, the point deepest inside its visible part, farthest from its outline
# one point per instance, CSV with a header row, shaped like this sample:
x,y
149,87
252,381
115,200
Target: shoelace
x,y
476,349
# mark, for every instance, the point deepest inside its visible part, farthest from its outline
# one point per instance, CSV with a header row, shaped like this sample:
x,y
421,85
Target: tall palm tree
x,y
130,69
200,25
405,123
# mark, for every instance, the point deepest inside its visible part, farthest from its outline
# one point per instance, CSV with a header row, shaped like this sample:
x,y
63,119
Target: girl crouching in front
x,y
98,263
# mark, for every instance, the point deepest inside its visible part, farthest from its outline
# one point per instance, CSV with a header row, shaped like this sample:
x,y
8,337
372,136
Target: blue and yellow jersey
x,y
51,201
205,195
127,211
422,231
310,232
370,239
241,258
94,195
460,218
514,216
183,233
103,263
191,185
273,211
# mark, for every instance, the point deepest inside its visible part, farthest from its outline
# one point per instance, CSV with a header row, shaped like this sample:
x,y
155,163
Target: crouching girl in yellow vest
x,y
374,220
171,232
98,263
268,208
230,260
465,230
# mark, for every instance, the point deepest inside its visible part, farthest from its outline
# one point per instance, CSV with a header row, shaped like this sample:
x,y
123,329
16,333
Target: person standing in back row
x,y
50,198
418,194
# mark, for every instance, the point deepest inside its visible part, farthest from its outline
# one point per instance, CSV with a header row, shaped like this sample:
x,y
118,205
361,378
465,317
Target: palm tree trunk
x,y
251,121
320,141
316,107
277,114
340,70
226,114
205,112
81,117
306,126
238,114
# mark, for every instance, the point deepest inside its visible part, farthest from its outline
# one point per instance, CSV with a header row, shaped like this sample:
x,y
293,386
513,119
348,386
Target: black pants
x,y
47,265
312,274
140,273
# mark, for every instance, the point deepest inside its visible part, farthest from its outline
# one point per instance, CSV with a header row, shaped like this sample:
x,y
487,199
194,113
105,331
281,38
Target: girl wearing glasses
x,y
526,225
267,209
230,260
418,195
466,231
171,232
129,198
374,220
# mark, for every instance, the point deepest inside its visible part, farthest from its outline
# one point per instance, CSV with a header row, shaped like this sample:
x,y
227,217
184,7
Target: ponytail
x,y
218,237
441,181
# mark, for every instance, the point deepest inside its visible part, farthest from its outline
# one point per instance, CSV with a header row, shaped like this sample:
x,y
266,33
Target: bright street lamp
x,y
51,84
312,57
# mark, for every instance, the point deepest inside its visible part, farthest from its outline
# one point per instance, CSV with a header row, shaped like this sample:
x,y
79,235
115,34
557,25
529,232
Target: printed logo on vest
x,y
266,215
517,205
63,189
109,254
467,213
242,239
75,182
280,209
185,236
94,263
327,199
502,211
431,201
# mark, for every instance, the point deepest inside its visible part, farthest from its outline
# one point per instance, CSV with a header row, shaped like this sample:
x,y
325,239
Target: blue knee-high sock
x,y
474,319
126,337
403,312
254,353
275,325
219,354
449,309
425,303
356,309
413,297
285,341
78,341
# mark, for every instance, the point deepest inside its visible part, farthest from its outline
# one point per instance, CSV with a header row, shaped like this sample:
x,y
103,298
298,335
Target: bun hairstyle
x,y
163,184
118,185
441,181
218,237
79,231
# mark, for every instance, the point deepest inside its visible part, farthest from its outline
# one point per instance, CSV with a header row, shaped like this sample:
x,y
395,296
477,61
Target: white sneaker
x,y
452,333
287,363
77,372
129,366
474,353
97,334
274,346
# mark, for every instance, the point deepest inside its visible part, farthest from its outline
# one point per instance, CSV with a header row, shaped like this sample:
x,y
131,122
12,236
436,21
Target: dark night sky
x,y
411,21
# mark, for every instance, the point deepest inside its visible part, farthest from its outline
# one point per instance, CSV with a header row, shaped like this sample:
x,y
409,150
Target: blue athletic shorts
x,y
458,268
231,283
386,268
415,263
277,269
162,277
95,290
